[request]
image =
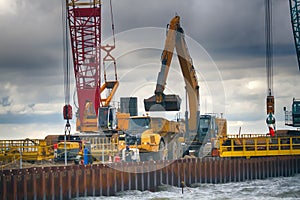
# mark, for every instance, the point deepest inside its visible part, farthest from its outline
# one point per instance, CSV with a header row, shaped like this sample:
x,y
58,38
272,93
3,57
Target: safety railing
x,y
103,148
259,146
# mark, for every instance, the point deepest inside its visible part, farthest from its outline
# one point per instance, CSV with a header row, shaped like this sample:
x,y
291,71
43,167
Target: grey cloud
x,y
11,118
6,101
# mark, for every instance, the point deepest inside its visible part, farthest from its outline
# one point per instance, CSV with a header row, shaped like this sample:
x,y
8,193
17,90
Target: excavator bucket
x,y
170,102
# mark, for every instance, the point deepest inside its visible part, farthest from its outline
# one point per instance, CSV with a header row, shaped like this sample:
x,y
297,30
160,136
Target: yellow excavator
x,y
198,129
159,138
155,137
171,102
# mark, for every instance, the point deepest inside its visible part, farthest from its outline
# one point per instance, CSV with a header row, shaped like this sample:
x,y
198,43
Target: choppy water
x,y
273,188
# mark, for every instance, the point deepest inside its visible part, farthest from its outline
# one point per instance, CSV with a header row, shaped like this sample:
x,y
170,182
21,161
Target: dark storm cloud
x,y
228,30
235,28
31,38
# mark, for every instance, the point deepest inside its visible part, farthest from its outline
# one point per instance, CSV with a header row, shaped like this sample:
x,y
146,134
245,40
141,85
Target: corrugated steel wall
x,y
66,182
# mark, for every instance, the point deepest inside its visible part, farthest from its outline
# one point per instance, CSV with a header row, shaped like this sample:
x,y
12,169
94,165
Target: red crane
x,y
84,22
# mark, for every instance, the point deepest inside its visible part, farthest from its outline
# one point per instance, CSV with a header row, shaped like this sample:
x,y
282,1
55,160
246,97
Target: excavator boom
x,y
171,102
160,101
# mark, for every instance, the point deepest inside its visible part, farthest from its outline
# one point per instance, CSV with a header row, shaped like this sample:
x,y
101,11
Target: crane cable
x,y
269,45
112,23
66,66
67,110
65,54
269,65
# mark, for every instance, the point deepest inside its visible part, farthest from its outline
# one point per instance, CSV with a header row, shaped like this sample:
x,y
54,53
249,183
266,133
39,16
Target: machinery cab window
x,y
296,113
139,123
107,117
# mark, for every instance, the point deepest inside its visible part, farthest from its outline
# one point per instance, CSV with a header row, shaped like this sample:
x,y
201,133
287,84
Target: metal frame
x,y
85,29
295,19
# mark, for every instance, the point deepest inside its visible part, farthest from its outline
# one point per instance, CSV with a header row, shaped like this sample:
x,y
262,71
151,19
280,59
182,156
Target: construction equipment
x,y
154,137
30,150
66,148
206,141
195,134
295,19
72,148
292,118
84,22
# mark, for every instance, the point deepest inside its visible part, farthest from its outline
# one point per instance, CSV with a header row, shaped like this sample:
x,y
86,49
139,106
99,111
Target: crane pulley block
x,y
67,111
270,104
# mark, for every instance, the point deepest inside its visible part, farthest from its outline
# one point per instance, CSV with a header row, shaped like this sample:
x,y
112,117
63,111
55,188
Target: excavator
x,y
198,129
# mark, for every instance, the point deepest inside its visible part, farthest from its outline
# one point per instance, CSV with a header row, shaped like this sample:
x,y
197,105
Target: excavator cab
x,y
207,128
107,119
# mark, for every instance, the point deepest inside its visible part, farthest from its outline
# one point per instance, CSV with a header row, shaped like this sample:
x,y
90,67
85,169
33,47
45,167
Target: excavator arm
x,y
162,102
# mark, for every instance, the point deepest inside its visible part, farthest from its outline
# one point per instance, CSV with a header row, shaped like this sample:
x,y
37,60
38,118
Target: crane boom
x,y
292,118
175,39
85,31
295,19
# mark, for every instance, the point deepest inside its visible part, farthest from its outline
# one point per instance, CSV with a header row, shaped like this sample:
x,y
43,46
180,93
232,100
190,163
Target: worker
x,y
128,154
55,146
86,156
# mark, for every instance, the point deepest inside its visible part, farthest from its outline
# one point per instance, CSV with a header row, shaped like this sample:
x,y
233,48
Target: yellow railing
x,y
103,147
259,146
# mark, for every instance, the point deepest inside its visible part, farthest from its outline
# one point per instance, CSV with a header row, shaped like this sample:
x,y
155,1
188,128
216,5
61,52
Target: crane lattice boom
x,y
85,30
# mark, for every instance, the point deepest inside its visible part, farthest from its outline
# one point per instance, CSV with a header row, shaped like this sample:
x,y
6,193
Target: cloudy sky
x,y
225,39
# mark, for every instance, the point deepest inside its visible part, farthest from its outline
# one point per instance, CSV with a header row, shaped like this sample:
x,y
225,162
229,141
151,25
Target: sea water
x,y
272,188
